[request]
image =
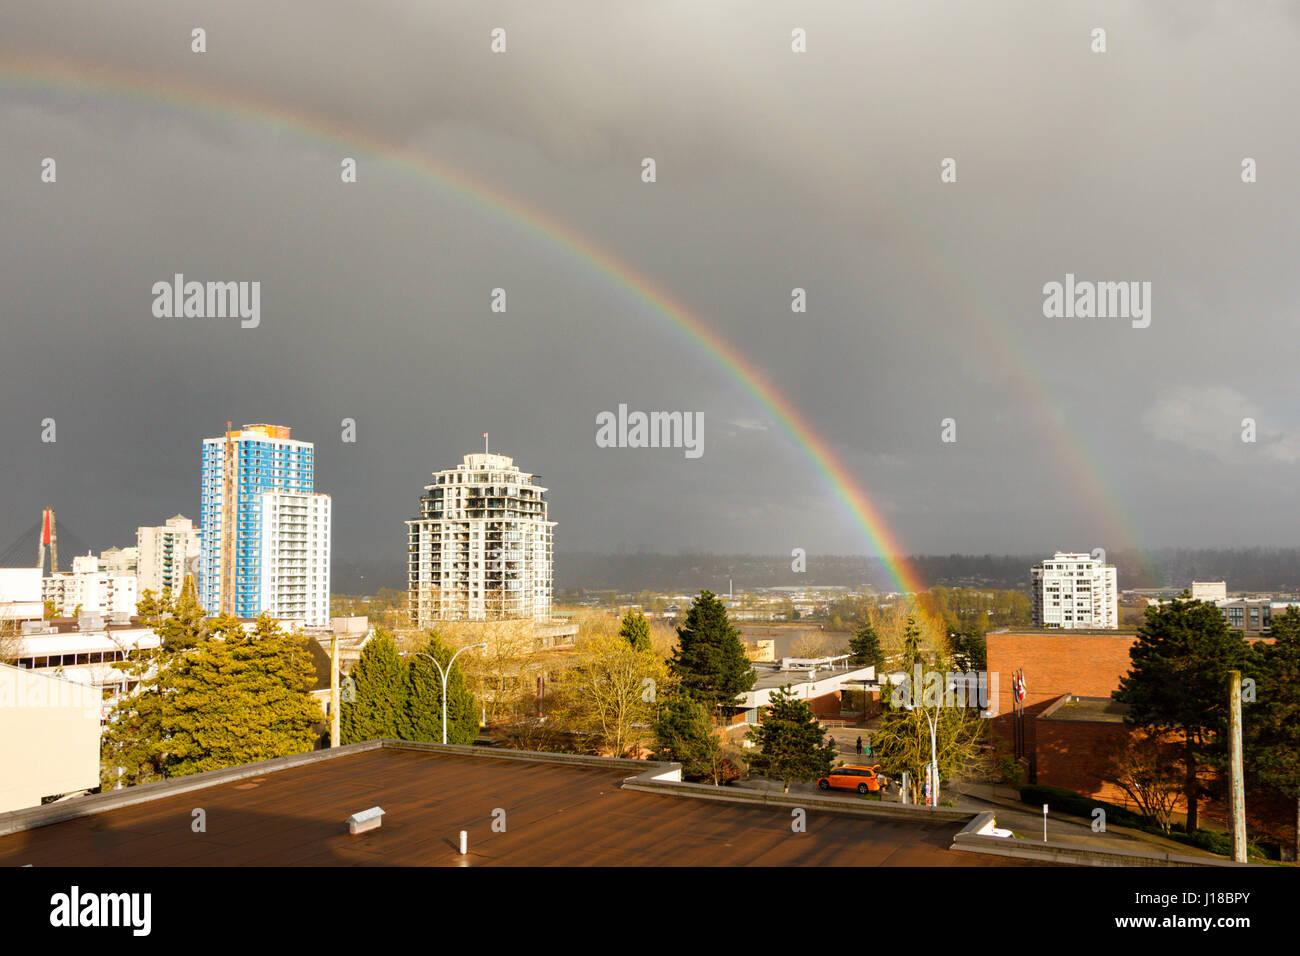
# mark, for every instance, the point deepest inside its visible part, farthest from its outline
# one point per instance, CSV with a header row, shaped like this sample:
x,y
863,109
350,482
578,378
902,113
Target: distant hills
x,y
1248,569
1245,569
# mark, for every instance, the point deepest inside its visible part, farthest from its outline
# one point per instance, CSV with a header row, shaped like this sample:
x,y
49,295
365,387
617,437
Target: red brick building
x,y
1055,663
1076,740
1071,727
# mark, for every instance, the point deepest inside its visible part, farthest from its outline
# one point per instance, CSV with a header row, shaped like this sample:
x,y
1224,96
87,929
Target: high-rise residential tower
x,y
1075,591
164,555
90,590
266,532
481,548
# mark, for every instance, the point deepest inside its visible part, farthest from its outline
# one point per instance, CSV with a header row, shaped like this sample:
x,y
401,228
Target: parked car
x,y
854,777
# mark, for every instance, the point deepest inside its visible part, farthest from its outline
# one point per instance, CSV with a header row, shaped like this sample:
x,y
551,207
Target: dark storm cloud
x,y
775,170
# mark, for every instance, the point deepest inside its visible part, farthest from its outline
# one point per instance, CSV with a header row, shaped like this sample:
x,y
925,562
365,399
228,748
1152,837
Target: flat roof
x,y
769,679
1064,632
1097,710
557,814
72,642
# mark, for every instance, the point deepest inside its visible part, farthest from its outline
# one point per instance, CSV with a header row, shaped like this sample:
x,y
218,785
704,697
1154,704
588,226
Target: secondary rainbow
x,y
46,72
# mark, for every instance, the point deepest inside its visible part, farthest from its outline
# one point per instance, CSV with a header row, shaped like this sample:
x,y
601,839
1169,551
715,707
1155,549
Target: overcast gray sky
x,y
819,170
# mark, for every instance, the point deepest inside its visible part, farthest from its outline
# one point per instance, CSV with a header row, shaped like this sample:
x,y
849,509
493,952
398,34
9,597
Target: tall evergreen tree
x,y
790,741
685,734
635,630
232,699
1177,684
970,650
380,679
240,699
710,661
1272,722
421,717
864,646
181,623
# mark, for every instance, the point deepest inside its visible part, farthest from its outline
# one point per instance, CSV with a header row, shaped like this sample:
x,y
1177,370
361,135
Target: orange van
x,y
854,777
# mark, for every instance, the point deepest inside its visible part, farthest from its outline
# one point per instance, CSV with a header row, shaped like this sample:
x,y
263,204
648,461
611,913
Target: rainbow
x,y
49,73
1074,458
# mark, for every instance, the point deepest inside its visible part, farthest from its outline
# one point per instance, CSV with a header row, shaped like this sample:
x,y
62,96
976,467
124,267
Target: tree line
x,y
1178,699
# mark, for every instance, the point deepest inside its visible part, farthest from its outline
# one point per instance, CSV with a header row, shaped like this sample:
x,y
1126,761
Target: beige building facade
x,y
49,737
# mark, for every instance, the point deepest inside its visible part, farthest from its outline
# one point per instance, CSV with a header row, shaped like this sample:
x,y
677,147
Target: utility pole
x,y
1238,784
334,691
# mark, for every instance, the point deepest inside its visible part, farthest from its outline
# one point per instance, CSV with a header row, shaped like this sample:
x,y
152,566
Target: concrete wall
x,y
977,837
49,737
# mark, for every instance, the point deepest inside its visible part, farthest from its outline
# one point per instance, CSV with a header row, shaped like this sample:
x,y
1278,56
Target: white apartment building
x,y
1212,592
295,557
481,548
95,591
1075,591
164,555
120,561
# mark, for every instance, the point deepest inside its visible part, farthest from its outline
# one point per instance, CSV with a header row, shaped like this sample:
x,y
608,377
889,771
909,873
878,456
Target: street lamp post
x,y
934,759
445,674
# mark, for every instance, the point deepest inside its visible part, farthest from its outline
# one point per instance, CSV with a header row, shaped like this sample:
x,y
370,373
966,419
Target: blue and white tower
x,y
265,532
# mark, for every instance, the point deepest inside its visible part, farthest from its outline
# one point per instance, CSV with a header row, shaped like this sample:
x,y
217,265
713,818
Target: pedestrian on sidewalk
x,y
859,746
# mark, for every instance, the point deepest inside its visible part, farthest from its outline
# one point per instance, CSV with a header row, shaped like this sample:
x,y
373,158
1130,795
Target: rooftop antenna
x,y
485,443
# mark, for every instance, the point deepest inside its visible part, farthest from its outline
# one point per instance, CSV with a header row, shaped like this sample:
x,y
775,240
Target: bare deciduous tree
x,y
503,672
11,638
1150,771
809,645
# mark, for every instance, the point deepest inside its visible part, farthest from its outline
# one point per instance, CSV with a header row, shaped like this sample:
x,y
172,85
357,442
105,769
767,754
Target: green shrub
x,y
1011,770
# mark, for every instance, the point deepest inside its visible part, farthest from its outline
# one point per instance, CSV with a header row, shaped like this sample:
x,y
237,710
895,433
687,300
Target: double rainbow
x,y
46,73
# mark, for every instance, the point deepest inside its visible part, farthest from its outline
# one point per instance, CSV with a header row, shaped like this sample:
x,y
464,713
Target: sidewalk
x,y
1061,827
1008,810
846,742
